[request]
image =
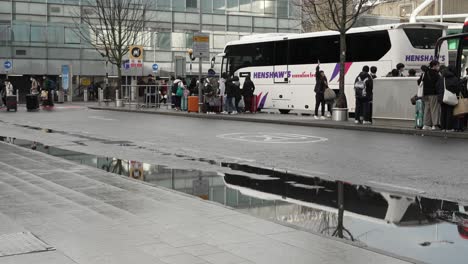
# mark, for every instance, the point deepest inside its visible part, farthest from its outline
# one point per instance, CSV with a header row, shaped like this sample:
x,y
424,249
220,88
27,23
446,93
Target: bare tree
x,y
111,26
337,15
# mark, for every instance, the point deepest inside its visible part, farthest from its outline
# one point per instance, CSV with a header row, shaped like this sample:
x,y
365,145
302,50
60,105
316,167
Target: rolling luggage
x,y
32,102
419,116
193,104
11,103
253,107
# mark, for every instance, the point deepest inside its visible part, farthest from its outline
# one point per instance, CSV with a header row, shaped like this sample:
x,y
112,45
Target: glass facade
x,y
50,27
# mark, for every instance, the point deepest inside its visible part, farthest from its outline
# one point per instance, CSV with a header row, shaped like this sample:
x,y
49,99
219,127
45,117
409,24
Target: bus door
x,y
280,65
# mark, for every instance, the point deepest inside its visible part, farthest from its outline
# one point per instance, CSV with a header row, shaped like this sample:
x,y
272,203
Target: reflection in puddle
x,y
421,228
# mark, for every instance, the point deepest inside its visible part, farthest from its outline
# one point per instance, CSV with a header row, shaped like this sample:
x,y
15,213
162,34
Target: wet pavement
x,y
91,216
414,226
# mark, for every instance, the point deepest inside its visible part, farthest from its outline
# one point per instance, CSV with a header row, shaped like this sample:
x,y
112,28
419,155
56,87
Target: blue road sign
x,y
126,64
7,65
155,67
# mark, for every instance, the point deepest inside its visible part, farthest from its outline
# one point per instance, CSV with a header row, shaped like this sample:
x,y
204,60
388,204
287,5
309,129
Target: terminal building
x,y
38,36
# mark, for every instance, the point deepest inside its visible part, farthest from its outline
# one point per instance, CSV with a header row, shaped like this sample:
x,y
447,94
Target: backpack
x,y
174,88
53,85
360,87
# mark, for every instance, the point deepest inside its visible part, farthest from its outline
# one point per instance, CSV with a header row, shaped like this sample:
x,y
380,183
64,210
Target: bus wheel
x,y
284,111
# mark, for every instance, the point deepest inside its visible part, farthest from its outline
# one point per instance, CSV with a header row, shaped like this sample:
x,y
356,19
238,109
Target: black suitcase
x,y
11,103
32,102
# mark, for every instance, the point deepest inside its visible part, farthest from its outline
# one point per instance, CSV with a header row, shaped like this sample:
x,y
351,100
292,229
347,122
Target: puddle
x,y
418,227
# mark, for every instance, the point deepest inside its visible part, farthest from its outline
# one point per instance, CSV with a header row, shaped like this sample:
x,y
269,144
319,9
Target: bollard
x,y
85,95
99,96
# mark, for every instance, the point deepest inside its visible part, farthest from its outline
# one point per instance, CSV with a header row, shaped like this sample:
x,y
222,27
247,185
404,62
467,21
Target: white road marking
x,y
272,138
101,118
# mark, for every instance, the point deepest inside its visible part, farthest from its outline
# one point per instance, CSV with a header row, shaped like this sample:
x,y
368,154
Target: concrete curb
x,y
320,124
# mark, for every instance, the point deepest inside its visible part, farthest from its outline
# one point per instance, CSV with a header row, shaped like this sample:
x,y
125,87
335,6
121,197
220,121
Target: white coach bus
x,y
282,67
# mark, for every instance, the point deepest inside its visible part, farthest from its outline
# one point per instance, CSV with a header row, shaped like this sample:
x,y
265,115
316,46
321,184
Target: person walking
x,y
431,105
321,84
9,88
451,83
248,90
363,87
49,87
34,86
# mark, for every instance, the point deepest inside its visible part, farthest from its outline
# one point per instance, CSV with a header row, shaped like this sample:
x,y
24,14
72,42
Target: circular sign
x,y
136,52
7,65
272,138
155,67
85,81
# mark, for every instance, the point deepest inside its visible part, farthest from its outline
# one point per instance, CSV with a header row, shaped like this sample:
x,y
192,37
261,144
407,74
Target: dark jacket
x,y
321,83
464,87
431,77
230,88
451,82
248,88
369,83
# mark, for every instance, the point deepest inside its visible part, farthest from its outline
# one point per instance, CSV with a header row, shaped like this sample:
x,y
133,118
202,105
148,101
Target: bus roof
x,y
283,36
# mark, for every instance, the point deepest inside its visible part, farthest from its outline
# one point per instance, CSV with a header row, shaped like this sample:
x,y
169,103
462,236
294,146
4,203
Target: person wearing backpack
x,y
363,86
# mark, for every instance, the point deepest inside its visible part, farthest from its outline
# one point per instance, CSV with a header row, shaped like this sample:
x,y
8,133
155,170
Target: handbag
x,y
449,97
241,103
420,93
462,107
180,91
329,94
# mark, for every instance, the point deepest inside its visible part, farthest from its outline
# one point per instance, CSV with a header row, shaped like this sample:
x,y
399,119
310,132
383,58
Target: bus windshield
x,y
423,38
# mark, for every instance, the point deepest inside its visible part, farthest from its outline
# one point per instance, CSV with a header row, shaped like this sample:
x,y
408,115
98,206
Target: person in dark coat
x,y
431,104
362,102
230,96
321,83
248,90
452,84
193,87
237,94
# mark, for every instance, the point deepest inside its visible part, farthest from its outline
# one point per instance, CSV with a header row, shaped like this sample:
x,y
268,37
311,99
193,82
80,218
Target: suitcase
x,y
11,103
253,107
32,102
193,104
419,115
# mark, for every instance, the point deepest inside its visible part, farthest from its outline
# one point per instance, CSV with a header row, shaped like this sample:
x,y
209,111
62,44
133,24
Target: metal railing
x,y
144,96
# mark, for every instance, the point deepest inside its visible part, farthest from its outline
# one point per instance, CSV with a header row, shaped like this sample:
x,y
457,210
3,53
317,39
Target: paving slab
x,y
89,217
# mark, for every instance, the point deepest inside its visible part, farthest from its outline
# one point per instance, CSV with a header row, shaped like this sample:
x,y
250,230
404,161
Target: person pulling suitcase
x,y
11,102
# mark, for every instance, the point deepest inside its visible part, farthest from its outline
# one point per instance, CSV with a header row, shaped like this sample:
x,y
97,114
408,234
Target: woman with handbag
x,y
448,88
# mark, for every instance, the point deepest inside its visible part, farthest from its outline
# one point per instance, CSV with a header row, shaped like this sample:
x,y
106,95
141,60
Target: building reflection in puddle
x,y
422,228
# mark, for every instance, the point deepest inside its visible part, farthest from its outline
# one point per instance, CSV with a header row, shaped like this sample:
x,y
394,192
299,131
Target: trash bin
x,y
60,97
340,114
